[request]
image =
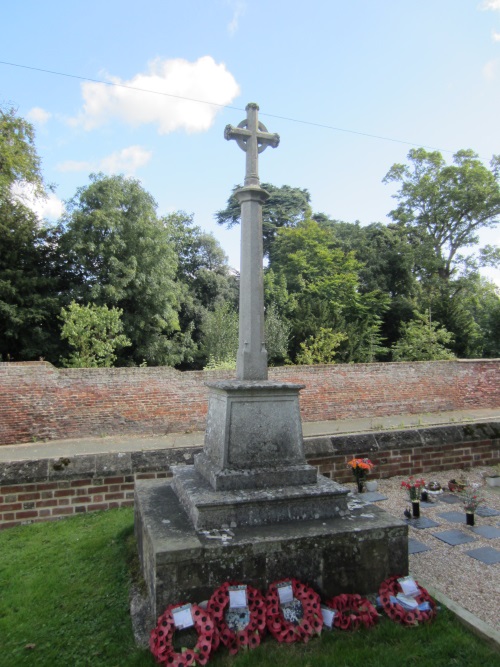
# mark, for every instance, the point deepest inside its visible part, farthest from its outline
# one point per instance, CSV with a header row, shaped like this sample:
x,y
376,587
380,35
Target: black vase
x,y
415,506
361,484
469,518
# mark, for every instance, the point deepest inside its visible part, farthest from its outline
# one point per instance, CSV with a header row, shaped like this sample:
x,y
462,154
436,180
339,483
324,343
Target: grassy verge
x,y
64,603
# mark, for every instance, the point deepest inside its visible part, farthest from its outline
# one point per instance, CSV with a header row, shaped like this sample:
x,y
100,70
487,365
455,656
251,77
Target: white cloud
x,y
490,69
203,80
38,115
238,8
490,4
126,161
50,207
496,36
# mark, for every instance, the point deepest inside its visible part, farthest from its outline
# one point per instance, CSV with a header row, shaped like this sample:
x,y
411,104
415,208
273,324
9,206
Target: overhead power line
x,y
226,106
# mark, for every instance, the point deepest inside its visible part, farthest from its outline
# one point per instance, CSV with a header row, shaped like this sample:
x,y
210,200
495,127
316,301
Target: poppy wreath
x,y
396,612
252,635
352,610
160,640
310,624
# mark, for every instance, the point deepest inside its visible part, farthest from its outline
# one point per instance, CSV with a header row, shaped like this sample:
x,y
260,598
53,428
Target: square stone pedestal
x,y
353,553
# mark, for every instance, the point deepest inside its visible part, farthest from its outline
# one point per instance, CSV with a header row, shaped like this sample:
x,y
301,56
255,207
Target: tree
x,y
30,281
423,340
95,332
277,335
321,348
286,207
121,256
19,161
324,281
220,334
203,276
444,206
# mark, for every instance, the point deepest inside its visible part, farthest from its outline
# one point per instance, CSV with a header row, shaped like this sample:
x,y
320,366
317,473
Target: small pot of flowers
x,y
493,477
414,488
360,468
471,502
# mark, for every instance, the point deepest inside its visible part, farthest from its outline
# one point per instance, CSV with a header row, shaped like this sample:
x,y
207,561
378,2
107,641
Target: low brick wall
x,y
40,402
49,489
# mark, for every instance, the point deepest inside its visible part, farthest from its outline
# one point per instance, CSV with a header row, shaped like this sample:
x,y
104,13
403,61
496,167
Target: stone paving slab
x,y
373,497
422,523
454,537
490,532
451,500
486,511
416,547
486,555
454,517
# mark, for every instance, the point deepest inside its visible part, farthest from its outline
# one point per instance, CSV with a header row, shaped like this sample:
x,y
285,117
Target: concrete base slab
x,y
209,509
351,554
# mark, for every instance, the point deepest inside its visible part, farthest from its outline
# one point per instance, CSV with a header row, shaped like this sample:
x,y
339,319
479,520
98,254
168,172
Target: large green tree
x,y
286,207
443,207
324,281
29,264
204,278
121,255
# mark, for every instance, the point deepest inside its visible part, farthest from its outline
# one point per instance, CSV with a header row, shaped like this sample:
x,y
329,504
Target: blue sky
x,y
424,72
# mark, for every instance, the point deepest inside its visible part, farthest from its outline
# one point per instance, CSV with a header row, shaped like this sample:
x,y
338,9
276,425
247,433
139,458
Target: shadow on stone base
x,y
351,554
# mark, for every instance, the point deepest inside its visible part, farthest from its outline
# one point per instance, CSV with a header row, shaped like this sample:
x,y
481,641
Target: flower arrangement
x,y
351,611
251,635
396,612
470,499
414,487
311,622
161,644
360,467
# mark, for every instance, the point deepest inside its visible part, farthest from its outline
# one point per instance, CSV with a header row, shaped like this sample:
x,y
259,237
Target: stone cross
x,y
252,137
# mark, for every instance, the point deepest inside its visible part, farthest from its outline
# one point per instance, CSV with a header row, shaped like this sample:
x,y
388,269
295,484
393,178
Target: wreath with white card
x,y
178,617
351,611
240,614
293,611
396,595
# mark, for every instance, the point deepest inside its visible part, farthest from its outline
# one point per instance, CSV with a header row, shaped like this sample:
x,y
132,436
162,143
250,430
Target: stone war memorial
x,y
251,509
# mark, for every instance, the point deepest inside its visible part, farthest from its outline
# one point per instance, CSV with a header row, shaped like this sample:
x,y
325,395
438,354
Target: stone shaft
x,y
251,362
252,137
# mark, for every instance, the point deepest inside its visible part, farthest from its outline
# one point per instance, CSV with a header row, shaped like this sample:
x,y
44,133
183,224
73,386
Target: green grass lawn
x,y
64,603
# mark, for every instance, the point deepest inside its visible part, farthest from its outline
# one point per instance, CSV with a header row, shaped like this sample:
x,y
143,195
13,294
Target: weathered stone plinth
x,y
353,553
253,438
252,470
209,509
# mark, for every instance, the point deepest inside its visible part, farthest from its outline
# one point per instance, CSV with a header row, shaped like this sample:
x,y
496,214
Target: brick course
x,y
40,402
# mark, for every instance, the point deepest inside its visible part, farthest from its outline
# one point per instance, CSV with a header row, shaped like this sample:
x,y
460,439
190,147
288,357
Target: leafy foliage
x,y
423,340
322,348
121,256
94,332
286,207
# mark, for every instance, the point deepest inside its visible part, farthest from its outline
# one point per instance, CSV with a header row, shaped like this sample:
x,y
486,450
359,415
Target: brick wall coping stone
x,y
77,466
118,444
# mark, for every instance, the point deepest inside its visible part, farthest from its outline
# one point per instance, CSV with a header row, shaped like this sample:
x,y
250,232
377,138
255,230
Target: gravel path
x,y
473,585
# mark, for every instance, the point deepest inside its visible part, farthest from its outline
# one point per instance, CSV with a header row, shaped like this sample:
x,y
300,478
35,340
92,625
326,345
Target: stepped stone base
x,y
209,509
348,554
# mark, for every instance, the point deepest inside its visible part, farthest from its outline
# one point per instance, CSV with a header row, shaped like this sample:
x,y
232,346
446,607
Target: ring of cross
x,y
242,142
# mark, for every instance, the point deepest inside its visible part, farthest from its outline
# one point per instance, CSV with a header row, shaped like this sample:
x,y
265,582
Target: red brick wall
x,y
46,499
41,402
